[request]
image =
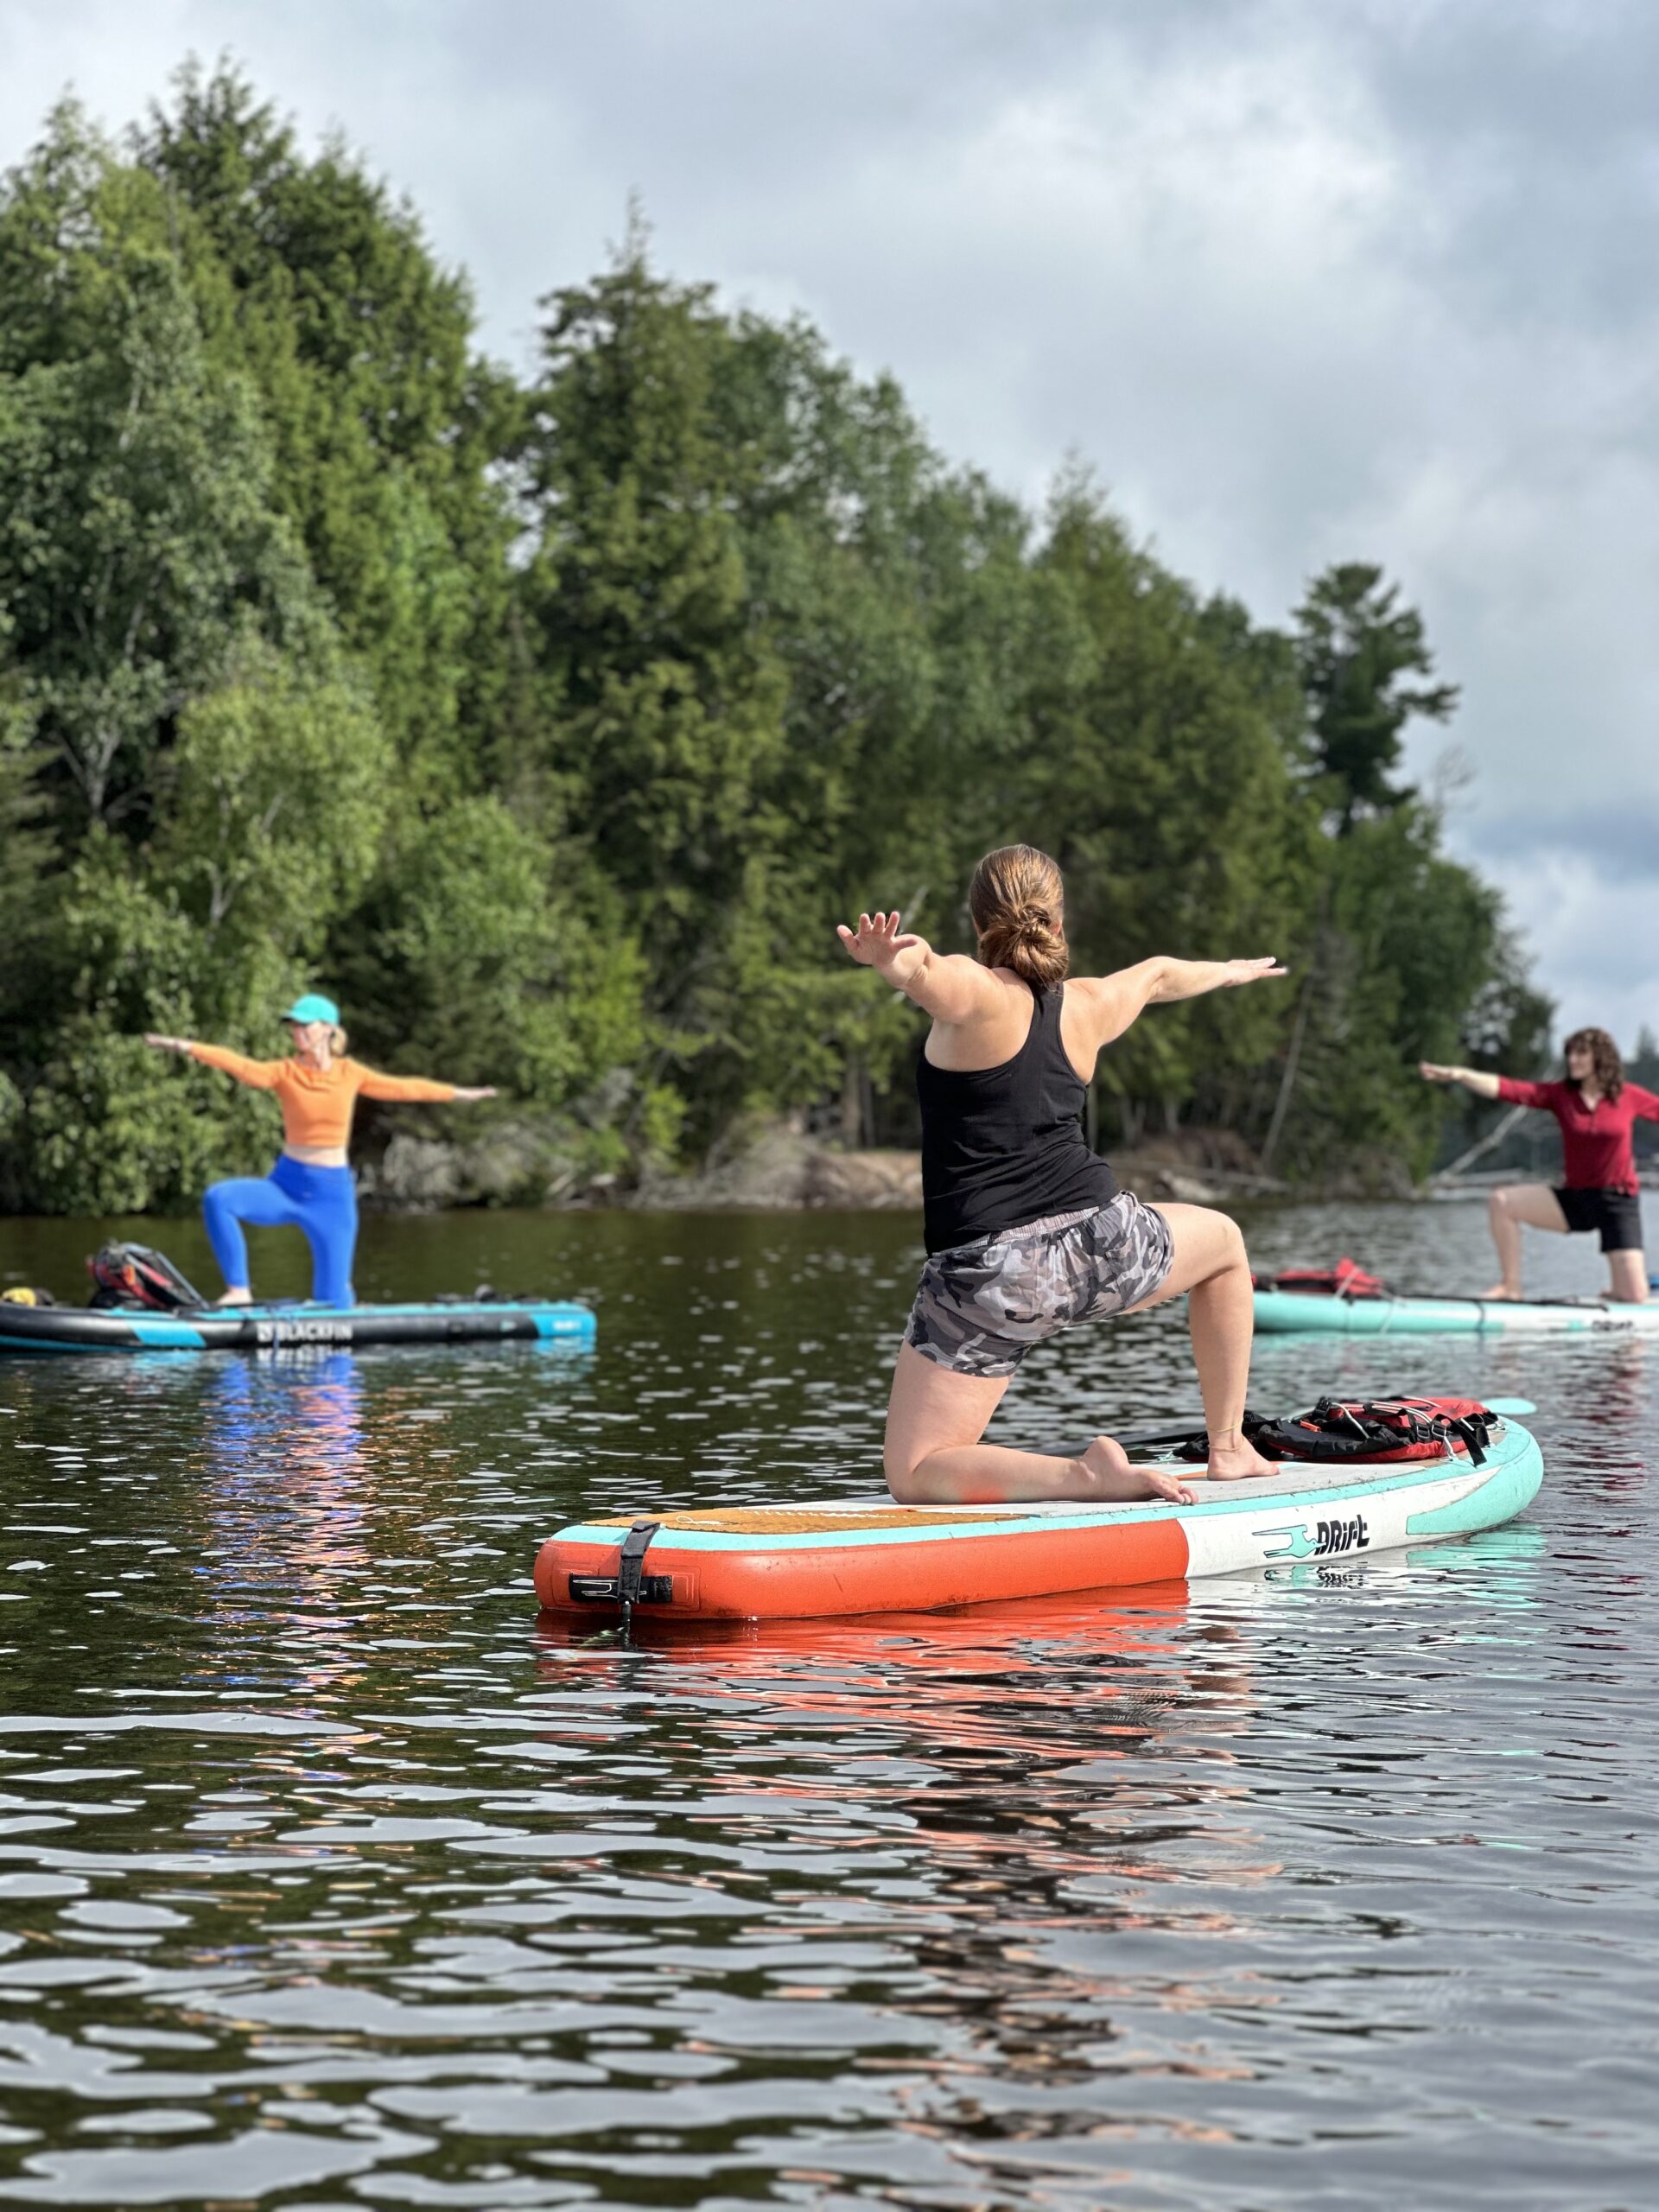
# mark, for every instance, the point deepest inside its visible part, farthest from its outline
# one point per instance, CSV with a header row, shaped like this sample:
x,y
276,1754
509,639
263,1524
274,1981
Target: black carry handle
x,y
630,1585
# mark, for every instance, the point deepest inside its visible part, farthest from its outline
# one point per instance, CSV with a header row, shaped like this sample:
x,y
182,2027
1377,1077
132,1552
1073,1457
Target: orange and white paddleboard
x,y
867,1555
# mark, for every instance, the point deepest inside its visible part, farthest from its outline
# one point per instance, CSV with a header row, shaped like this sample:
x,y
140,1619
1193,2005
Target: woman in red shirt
x,y
1597,1109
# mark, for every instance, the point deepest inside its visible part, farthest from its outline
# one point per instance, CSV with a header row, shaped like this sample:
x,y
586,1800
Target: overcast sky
x,y
1306,280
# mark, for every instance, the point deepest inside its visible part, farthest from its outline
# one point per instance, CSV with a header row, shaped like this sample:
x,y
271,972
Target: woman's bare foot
x,y
242,1297
1231,1459
1499,1290
1106,1464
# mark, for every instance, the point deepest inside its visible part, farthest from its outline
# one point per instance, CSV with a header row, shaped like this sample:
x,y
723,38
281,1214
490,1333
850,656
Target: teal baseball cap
x,y
313,1007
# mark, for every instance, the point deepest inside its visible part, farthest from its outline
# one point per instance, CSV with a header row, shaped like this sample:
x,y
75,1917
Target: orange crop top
x,y
317,1108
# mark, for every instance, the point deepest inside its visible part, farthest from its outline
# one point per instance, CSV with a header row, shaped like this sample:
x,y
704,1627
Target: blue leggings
x,y
322,1201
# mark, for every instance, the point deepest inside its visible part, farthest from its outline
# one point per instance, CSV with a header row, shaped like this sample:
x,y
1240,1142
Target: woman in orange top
x,y
310,1187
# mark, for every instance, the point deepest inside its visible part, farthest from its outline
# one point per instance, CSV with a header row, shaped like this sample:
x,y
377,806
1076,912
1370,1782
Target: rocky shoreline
x,y
776,1166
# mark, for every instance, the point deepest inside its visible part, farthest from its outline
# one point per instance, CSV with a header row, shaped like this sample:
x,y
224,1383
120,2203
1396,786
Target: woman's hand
x,y
488,1090
167,1044
1432,1072
878,942
1249,971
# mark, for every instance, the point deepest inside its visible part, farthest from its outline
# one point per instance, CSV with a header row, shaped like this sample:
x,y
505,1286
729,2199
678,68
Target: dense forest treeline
x,y
552,722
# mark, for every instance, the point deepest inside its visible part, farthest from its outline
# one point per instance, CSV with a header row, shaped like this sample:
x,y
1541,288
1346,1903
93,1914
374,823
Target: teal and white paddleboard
x,y
1315,1314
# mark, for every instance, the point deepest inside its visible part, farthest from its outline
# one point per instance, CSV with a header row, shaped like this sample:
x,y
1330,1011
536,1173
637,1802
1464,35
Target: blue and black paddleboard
x,y
279,1327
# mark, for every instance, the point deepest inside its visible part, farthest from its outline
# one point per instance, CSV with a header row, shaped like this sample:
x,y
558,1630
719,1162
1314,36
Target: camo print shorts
x,y
980,1307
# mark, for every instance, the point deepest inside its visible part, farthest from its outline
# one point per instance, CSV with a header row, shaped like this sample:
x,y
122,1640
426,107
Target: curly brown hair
x,y
1017,902
1608,1068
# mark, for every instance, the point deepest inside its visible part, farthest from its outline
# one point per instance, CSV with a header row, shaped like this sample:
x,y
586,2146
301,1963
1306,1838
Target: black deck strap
x,y
631,1563
1190,1443
1475,1433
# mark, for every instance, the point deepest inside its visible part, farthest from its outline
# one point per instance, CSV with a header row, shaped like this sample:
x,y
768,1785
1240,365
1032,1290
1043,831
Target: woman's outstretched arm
x,y
258,1075
1120,999
418,1090
1473,1079
949,986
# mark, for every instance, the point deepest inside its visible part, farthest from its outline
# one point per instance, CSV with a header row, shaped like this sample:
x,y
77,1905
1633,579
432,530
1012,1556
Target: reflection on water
x,y
331,1876
286,1501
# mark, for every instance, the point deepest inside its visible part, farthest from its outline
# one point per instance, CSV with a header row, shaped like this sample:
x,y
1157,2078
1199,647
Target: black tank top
x,y
1004,1145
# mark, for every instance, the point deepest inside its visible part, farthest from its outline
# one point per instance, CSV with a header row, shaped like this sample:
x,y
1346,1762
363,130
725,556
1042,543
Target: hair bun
x,y
1015,900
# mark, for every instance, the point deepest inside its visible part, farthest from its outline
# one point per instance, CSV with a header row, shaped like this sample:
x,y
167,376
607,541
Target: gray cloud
x,y
1305,281
1624,842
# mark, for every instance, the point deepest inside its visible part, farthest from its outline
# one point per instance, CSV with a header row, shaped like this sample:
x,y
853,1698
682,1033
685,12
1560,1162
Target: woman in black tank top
x,y
1026,1231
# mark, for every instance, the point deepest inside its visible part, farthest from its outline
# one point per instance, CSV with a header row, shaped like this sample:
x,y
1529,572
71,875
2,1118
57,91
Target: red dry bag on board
x,y
133,1274
1380,1429
1346,1280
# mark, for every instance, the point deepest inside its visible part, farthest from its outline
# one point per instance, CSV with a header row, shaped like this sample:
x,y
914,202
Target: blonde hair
x,y
1017,902
338,1041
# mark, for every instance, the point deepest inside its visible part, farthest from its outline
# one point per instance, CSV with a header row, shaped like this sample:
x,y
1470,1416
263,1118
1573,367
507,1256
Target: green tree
x,y
1358,649
669,697
478,951
216,778
276,798
1408,941
1642,1065
25,848
136,479
1154,770
323,290
902,607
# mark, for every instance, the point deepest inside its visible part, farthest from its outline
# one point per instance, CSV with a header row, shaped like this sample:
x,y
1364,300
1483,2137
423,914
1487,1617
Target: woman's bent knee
x,y
900,1468
1225,1244
932,1408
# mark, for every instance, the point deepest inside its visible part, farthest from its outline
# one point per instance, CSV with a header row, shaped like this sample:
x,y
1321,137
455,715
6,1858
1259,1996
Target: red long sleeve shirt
x,y
1596,1147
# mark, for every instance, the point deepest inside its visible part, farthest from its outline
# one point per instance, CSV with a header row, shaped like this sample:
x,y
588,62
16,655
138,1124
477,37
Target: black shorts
x,y
1616,1214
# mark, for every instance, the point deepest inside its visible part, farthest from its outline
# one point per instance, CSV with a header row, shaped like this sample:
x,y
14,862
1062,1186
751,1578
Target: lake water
x,y
330,1878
